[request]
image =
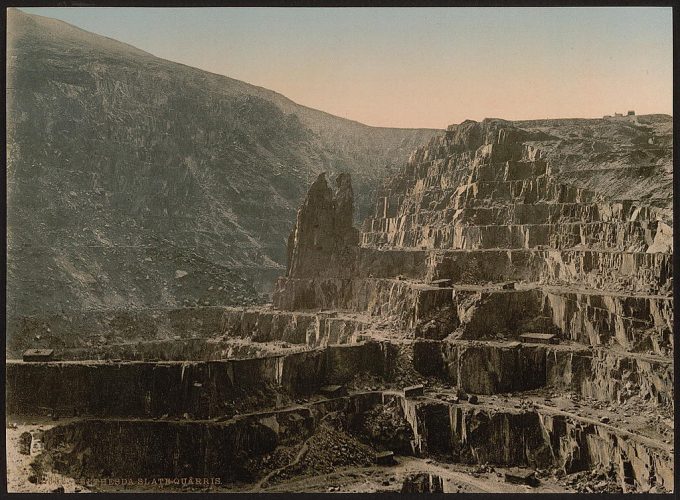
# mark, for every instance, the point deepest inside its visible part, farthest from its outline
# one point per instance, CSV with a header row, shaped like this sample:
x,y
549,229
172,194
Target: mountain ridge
x,y
125,170
280,97
116,151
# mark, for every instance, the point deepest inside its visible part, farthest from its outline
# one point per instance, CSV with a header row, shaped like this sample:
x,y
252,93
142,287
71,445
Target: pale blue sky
x,y
418,67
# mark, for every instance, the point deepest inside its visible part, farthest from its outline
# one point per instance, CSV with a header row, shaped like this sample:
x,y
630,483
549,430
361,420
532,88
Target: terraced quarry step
x,y
637,272
621,236
206,388
476,252
515,213
635,322
506,432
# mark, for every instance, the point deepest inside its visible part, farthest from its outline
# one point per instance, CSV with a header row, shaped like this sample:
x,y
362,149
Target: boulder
x,y
423,482
25,441
385,458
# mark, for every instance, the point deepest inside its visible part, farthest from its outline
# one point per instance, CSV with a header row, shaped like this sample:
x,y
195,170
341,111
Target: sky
x,y
418,67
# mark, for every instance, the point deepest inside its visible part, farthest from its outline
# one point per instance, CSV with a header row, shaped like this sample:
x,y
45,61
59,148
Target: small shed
x,y
414,391
540,338
442,283
33,355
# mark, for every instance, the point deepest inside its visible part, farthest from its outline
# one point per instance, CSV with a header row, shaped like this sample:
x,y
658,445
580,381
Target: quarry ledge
x,y
462,432
137,388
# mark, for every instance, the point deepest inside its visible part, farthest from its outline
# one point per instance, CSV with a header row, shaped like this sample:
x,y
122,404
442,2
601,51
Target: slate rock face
x,y
323,235
491,233
472,251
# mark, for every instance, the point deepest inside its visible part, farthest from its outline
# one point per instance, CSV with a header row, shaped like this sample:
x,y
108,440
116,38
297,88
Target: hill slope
x,y
136,182
623,158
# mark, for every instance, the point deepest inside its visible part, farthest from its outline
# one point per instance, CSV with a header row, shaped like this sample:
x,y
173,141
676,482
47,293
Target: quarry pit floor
x,y
457,478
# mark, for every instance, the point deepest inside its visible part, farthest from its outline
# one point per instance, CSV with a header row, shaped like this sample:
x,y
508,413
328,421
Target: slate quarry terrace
x,y
475,256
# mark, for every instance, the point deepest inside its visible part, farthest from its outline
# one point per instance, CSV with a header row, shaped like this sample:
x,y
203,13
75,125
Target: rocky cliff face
x,y
323,236
477,239
535,314
509,303
484,246
125,170
481,241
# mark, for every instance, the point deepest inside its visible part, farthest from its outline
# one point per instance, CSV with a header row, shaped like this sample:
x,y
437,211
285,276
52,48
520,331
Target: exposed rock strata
x,y
466,433
323,233
536,438
475,242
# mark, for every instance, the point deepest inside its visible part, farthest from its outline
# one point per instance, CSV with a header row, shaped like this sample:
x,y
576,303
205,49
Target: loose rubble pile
x,y
480,320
